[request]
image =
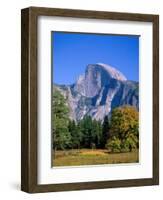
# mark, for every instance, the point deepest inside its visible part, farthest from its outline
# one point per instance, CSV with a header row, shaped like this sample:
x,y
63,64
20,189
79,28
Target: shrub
x,y
114,145
129,144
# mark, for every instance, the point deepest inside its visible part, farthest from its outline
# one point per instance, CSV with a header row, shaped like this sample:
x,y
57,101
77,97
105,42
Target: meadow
x,y
77,157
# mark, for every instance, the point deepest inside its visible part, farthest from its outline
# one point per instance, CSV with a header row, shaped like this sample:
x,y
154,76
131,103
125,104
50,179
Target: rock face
x,y
98,91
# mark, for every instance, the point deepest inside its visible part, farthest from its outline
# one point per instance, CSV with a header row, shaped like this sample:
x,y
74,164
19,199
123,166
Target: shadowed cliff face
x,y
98,91
96,77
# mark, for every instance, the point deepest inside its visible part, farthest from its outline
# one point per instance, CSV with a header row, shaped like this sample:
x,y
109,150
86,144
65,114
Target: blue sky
x,y
72,52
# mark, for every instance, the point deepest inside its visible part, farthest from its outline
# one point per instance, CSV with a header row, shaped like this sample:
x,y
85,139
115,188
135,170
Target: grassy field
x,y
92,157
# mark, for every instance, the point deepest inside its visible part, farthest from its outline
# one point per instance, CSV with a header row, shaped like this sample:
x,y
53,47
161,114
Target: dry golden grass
x,y
92,157
93,152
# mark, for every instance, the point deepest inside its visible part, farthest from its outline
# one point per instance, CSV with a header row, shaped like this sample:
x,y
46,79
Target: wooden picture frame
x,y
29,172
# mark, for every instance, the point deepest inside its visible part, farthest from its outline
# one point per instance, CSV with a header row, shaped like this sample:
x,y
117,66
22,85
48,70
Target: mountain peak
x,y
113,72
96,77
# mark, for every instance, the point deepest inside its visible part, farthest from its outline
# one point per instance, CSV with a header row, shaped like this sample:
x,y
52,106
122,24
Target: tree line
x,y
119,133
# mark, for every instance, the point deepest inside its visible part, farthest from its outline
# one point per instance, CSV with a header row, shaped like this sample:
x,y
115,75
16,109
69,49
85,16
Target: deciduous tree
x,y
61,135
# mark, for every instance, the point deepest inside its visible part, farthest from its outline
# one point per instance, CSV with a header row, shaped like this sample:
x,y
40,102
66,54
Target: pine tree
x,y
75,132
86,128
105,131
96,133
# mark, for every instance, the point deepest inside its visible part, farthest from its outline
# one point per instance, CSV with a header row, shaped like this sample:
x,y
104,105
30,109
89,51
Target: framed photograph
x,y
90,99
